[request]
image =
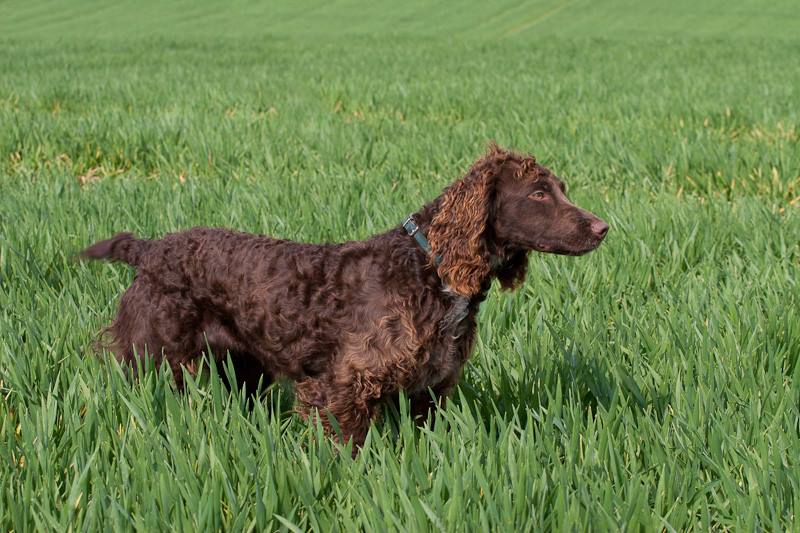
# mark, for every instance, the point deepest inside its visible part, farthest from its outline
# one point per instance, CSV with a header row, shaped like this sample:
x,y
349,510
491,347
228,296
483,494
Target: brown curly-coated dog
x,y
354,323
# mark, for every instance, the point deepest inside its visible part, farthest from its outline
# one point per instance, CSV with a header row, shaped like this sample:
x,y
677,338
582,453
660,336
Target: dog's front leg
x,y
372,365
424,402
347,399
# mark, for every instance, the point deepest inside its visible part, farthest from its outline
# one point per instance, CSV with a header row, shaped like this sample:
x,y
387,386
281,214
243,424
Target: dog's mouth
x,y
568,246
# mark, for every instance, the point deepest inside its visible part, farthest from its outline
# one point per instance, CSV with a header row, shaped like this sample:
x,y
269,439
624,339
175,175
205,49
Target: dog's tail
x,y
121,247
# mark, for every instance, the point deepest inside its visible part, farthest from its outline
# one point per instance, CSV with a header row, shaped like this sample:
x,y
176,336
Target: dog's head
x,y
506,206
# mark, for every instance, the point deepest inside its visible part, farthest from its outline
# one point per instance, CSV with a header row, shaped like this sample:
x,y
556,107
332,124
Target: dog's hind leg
x,y
162,325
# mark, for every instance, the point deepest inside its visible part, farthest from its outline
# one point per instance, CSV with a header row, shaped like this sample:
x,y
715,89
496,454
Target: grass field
x,y
652,385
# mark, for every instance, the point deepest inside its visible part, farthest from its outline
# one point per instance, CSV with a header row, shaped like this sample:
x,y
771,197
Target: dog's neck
x,y
498,255
424,216
417,230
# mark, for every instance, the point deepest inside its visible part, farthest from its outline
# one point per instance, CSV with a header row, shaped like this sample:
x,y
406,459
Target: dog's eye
x,y
538,195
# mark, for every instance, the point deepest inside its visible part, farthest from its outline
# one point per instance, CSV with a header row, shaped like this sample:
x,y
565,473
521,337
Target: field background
x,y
651,385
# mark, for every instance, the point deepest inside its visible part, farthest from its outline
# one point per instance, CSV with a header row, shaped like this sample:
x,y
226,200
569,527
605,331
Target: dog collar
x,y
415,231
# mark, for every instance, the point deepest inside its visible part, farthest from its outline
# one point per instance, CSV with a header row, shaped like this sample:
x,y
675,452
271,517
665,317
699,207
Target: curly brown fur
x,y
352,324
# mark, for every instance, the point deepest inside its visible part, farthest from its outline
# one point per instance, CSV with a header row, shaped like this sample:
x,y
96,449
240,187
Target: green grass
x,y
654,384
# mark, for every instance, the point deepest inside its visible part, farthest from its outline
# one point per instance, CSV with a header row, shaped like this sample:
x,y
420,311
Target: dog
x,y
351,324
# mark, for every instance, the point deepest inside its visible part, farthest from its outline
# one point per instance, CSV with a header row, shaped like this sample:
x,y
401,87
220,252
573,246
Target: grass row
x,y
650,385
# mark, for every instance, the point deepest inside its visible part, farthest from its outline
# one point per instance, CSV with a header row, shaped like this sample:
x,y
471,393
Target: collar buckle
x,y
413,230
410,226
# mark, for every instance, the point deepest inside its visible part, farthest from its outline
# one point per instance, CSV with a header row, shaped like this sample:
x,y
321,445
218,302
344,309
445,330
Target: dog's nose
x,y
599,228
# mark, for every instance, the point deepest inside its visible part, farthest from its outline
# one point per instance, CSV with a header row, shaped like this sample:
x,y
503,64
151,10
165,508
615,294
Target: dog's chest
x,y
444,358
455,318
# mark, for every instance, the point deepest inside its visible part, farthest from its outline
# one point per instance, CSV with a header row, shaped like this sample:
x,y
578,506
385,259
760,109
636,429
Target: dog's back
x,y
271,302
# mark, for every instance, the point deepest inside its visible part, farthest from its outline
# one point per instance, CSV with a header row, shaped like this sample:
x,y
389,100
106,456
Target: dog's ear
x,y
494,149
512,273
456,232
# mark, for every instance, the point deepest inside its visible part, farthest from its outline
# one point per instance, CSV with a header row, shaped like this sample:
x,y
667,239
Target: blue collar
x,y
415,231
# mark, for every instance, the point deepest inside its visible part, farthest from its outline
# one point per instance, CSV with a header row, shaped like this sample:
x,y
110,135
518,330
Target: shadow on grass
x,y
251,385
584,382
